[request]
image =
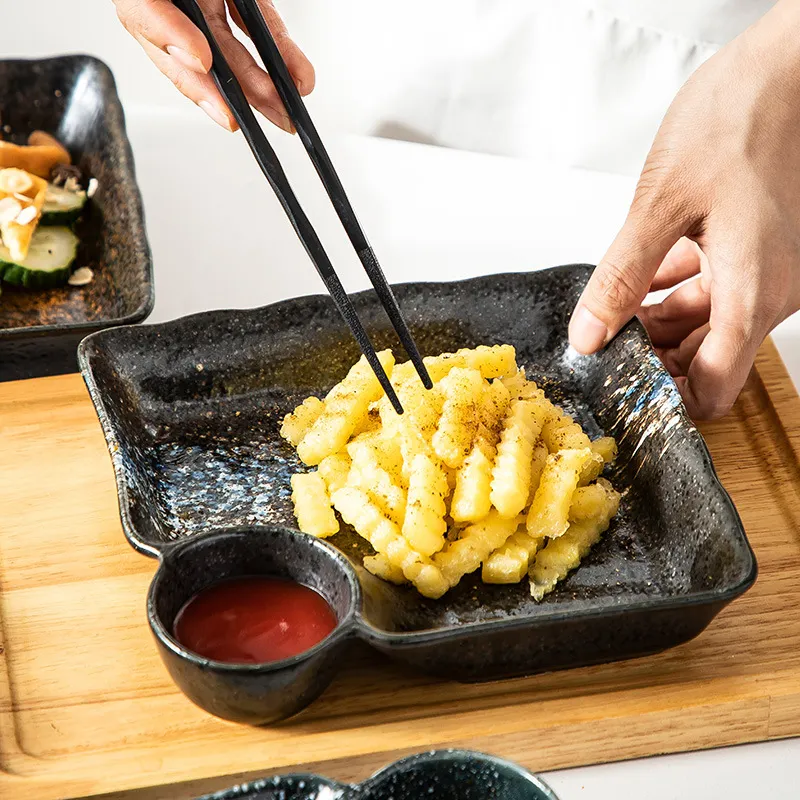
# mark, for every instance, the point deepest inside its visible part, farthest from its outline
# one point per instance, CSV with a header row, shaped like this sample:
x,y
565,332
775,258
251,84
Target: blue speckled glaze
x,y
191,411
440,775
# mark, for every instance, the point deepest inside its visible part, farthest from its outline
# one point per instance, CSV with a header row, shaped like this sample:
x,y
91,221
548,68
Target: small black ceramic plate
x,y
442,775
191,411
75,99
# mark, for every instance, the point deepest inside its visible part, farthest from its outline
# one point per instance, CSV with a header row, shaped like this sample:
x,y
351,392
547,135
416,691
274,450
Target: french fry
x,y
466,553
562,555
493,411
472,490
472,496
492,362
359,511
312,505
538,460
380,566
421,409
606,447
367,474
604,452
587,502
458,424
427,579
424,526
509,563
385,450
369,424
297,424
334,470
561,432
549,512
346,405
511,473
520,388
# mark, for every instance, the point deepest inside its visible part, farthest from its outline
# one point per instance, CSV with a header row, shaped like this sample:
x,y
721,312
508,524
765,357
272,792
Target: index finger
x,y
167,28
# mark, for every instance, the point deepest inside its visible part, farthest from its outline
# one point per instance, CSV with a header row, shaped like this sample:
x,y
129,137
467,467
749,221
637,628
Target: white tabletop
x,y
431,214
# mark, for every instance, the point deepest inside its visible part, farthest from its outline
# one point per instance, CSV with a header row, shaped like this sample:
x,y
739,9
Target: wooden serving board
x,y
86,706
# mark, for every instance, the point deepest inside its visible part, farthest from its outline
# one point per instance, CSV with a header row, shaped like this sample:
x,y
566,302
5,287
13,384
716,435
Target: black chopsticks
x,y
270,165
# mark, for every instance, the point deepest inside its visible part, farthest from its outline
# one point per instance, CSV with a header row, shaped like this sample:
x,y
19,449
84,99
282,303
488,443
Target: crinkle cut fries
x,y
480,472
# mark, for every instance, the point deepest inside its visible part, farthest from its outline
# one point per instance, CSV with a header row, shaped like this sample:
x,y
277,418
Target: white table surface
x,y
431,214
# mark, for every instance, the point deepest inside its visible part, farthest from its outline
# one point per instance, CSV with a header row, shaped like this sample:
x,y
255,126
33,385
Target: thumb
x,y
621,281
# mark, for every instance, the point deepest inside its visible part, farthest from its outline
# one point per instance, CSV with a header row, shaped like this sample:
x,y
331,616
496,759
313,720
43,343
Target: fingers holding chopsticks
x,y
299,66
181,52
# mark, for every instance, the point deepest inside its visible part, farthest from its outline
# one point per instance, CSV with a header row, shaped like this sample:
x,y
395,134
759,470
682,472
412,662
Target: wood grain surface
x,y
86,707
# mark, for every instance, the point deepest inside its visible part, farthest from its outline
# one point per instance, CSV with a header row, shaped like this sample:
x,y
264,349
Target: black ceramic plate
x,y
191,411
443,775
75,99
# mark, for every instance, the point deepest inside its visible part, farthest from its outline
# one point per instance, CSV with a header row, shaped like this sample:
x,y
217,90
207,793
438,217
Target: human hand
x,y
181,52
717,214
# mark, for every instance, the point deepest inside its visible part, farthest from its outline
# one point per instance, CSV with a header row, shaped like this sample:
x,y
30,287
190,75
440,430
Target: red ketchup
x,y
254,620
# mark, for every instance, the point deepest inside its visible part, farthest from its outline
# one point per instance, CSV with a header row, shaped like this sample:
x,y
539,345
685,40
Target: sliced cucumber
x,y
48,263
61,206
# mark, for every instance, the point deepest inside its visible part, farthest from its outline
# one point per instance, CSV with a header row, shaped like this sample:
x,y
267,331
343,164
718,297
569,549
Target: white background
x,y
430,212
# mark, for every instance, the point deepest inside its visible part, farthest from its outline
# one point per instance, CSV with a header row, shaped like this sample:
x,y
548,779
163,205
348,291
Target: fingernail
x,y
586,333
187,59
285,124
216,114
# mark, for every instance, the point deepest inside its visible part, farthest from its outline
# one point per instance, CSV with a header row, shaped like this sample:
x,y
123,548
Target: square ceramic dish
x,y
191,410
75,99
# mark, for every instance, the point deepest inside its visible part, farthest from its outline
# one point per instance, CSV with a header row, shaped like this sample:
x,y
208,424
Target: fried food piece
x,y
472,489
312,505
465,554
472,495
370,424
588,501
346,405
421,409
520,388
297,424
380,566
424,526
497,361
367,474
538,461
511,473
460,418
606,448
359,511
493,411
334,470
549,512
604,452
561,432
509,563
562,555
383,449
